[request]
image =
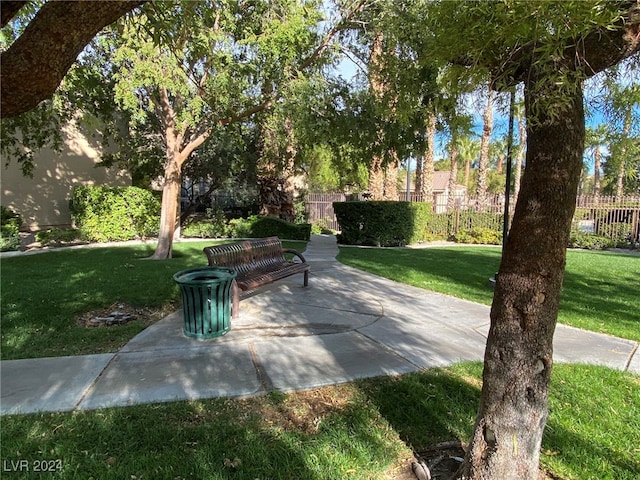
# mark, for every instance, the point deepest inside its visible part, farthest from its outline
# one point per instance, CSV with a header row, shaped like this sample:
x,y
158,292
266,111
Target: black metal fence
x,y
607,216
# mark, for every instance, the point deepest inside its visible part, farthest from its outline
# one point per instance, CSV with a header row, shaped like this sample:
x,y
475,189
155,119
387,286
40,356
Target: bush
x,y
57,236
620,233
213,225
479,235
259,227
321,226
114,213
590,241
386,224
9,230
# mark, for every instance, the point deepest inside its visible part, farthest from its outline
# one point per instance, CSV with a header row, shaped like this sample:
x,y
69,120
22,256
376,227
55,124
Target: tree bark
x,y
597,165
483,162
36,63
518,358
453,177
517,173
426,190
391,178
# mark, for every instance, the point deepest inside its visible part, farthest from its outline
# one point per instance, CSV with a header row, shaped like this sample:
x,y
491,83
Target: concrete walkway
x,y
346,325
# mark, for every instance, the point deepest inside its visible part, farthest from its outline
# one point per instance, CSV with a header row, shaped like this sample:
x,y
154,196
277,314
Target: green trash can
x,y
206,300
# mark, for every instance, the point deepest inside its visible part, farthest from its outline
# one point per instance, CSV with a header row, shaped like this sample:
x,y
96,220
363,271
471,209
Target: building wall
x,y
43,201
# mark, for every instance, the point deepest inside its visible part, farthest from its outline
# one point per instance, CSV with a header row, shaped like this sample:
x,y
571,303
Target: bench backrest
x,y
248,255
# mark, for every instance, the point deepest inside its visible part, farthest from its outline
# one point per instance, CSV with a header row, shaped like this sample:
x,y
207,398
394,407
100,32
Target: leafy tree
x,y
185,70
551,47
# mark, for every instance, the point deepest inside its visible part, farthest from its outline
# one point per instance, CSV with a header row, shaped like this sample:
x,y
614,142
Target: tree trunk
x,y
419,174
518,358
483,162
623,164
376,178
426,191
391,178
169,212
596,171
453,177
517,174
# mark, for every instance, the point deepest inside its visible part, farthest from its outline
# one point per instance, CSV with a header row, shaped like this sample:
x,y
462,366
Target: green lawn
x,y
360,430
600,291
43,295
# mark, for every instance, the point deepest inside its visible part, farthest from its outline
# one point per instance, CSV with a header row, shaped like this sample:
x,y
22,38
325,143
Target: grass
x,y
360,430
43,295
600,291
364,430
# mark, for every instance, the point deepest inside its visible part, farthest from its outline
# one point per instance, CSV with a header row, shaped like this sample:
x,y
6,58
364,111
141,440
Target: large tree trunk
x,y
376,178
518,358
36,63
391,178
169,212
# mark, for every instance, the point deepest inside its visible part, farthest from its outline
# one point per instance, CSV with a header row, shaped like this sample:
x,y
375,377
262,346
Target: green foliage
x,y
321,226
55,236
214,225
260,226
618,232
9,230
385,224
589,241
481,235
114,213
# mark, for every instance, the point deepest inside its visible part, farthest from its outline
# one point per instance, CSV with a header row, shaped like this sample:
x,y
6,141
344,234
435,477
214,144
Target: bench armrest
x,y
294,252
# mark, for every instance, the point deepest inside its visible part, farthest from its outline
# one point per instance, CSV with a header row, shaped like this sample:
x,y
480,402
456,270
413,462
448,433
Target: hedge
x,y
259,227
382,223
114,213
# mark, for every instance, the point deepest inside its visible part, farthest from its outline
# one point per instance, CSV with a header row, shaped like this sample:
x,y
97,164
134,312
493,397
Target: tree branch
x,y
36,63
9,10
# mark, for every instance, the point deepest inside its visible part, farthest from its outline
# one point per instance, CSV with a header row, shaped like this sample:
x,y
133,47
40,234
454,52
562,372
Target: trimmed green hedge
x,y
105,214
259,227
385,224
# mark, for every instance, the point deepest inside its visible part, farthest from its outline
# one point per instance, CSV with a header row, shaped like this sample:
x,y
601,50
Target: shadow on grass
x,y
216,439
429,407
580,440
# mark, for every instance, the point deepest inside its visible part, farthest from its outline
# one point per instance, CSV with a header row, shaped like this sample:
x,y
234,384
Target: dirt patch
x,y
120,314
442,460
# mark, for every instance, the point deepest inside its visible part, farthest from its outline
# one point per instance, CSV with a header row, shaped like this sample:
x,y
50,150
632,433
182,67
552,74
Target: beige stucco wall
x,y
43,201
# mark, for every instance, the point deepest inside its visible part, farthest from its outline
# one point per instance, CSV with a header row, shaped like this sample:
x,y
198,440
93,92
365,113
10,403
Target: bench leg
x,y
306,278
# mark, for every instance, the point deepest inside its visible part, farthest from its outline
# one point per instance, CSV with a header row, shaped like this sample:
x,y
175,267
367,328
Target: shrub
x,y
590,241
57,235
114,213
479,235
620,233
9,230
213,225
321,226
260,226
385,224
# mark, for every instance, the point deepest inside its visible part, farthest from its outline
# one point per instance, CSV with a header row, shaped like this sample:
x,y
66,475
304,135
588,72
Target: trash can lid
x,y
204,275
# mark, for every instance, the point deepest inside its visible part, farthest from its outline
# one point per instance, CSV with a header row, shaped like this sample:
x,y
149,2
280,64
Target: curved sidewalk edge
x,y
346,325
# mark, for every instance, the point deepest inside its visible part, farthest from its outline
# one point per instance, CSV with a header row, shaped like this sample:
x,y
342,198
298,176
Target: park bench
x,y
257,262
